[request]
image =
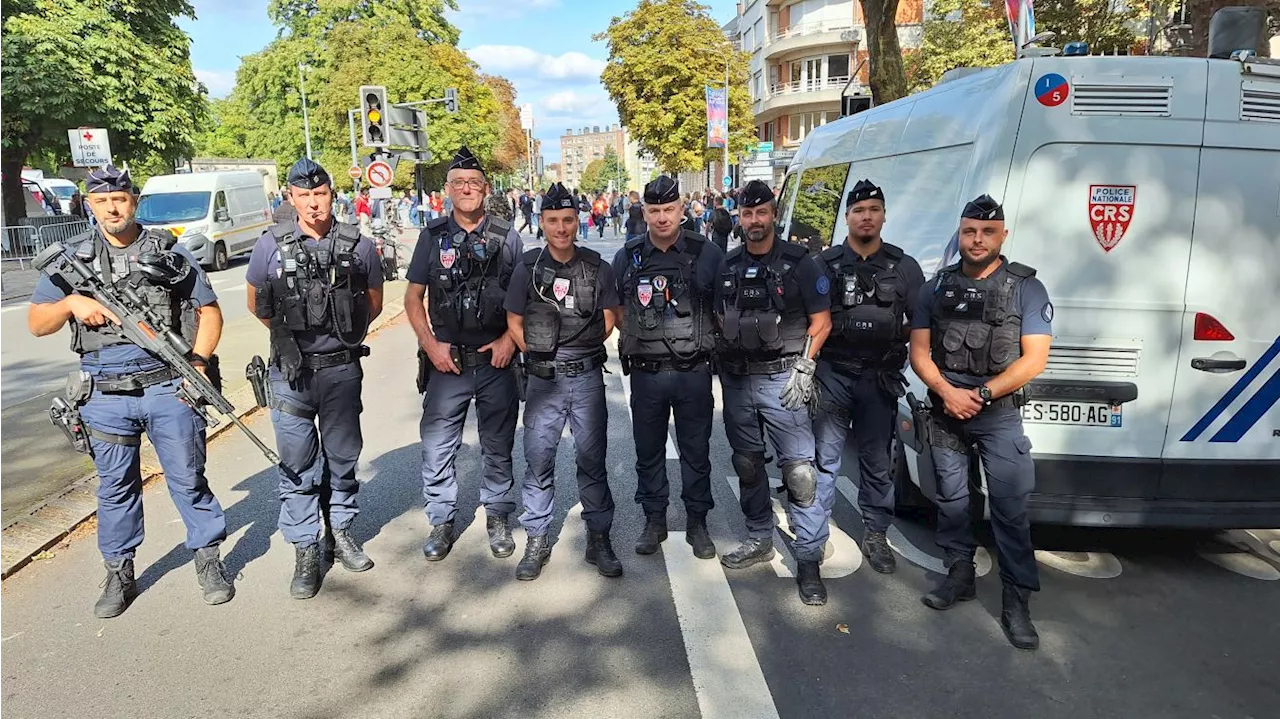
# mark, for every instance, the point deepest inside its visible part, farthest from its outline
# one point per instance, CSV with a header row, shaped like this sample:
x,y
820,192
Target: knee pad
x,y
748,465
801,482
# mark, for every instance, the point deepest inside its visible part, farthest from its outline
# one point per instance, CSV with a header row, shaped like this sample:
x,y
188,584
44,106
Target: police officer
x,y
465,260
667,279
316,283
775,315
860,370
561,305
980,333
122,390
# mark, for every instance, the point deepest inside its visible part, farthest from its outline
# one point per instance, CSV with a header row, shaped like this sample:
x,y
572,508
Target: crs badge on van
x,y
1110,212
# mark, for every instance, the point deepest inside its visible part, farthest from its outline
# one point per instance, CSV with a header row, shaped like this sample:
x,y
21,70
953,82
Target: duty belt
x,y
469,358
134,382
1013,399
846,364
550,369
665,364
745,367
333,359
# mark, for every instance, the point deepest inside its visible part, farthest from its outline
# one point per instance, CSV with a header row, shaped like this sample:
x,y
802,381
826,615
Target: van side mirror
x,y
221,215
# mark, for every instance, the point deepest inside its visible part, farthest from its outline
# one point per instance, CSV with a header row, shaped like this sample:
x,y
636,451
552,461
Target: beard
x,y
980,263
757,234
117,227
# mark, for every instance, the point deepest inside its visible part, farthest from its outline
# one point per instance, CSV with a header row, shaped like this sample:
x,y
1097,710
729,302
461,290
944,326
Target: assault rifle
x,y
140,324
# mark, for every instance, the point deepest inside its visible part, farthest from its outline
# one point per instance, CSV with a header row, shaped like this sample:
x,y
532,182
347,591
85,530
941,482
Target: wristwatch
x,y
985,393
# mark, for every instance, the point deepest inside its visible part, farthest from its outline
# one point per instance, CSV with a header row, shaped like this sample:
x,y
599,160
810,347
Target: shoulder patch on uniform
x,y
823,285
1046,312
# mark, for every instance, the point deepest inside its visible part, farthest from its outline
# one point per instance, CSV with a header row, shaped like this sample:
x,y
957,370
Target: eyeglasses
x,y
473,184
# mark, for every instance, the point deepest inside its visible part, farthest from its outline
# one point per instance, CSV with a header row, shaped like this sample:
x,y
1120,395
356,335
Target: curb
x,y
51,521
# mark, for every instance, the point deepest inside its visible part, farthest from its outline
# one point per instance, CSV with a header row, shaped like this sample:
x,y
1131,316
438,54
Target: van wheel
x,y
219,257
908,499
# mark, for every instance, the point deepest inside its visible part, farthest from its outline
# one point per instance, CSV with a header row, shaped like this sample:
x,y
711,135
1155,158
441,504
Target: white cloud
x,y
573,102
519,61
503,9
219,82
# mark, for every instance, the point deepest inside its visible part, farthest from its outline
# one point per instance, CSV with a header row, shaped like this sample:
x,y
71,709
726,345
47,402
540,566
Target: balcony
x,y
787,95
809,35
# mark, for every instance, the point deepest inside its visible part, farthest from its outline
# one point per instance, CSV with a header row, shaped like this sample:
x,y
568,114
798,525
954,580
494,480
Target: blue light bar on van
x,y
1077,48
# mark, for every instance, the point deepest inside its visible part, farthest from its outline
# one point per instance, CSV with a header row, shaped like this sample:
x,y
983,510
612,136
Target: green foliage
x,y
600,172
960,33
123,66
662,56
320,17
817,205
1107,25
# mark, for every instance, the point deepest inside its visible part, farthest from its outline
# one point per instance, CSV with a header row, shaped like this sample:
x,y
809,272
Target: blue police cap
x,y
984,207
662,190
864,190
463,159
558,198
308,174
755,193
108,179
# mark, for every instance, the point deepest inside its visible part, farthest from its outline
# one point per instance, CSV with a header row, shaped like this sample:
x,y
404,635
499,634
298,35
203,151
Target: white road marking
x,y
1091,565
716,640
626,392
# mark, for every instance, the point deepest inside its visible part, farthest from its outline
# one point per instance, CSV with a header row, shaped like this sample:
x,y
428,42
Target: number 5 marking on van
x,y
1052,90
1110,212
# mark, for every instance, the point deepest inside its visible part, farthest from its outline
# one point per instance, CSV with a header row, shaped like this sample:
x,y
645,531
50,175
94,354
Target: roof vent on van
x,y
1260,101
1118,95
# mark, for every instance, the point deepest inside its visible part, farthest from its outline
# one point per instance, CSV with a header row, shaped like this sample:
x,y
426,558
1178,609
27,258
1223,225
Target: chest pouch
x,y
541,327
967,303
317,304
492,314
648,304
753,289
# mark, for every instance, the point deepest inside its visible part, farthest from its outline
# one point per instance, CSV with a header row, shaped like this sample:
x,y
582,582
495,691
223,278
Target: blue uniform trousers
x,y
548,405
178,434
871,412
444,411
655,397
749,402
317,425
1004,451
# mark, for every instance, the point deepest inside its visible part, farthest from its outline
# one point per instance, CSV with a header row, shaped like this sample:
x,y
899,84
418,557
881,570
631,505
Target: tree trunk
x,y
15,205
888,79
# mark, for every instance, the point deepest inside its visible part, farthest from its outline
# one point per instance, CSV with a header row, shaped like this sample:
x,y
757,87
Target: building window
x,y
799,126
756,91
837,66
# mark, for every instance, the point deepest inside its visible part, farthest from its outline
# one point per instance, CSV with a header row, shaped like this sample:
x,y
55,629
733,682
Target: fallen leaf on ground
x,y
842,628
43,555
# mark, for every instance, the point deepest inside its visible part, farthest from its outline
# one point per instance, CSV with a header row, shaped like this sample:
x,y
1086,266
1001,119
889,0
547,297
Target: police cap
x,y
984,207
755,193
108,179
662,190
864,190
463,159
558,198
308,174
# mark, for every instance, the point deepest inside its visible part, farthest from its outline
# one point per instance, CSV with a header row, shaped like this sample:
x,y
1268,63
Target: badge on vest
x,y
644,293
660,283
448,257
560,288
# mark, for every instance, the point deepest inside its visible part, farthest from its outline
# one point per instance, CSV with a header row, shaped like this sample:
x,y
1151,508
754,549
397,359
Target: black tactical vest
x,y
561,309
467,278
177,311
976,327
763,314
665,315
868,307
321,289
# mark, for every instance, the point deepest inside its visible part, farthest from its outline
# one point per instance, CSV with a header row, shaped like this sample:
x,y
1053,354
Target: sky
x,y
543,46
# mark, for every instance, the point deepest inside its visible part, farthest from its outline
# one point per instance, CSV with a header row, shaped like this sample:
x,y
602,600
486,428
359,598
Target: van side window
x,y
817,206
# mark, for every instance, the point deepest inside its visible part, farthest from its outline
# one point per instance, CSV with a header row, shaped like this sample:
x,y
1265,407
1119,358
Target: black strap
x,y
296,410
573,367
333,359
746,367
125,440
137,381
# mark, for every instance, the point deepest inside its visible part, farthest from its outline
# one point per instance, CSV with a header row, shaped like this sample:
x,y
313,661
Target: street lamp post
x,y
306,123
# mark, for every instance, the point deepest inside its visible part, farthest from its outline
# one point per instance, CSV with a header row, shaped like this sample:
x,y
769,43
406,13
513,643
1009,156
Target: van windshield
x,y
64,191
166,207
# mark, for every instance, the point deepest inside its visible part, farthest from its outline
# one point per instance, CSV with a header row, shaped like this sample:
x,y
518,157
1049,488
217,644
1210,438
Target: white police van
x,y
1146,192
217,215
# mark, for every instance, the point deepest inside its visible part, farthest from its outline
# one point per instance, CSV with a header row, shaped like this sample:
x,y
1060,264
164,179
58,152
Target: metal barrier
x,y
23,242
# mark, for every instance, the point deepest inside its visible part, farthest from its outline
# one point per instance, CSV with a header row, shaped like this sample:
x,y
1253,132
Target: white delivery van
x,y
65,190
217,215
1146,193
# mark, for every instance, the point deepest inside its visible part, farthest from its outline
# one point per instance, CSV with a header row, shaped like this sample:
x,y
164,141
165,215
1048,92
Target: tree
x,y
319,17
87,63
960,33
886,75
602,171
512,153
662,57
1107,25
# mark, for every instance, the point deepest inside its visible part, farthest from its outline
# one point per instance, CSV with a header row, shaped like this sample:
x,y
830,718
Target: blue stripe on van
x,y
1236,389
1251,412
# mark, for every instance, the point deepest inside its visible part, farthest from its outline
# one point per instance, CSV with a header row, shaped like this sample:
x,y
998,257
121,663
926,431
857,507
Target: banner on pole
x,y
717,116
1022,21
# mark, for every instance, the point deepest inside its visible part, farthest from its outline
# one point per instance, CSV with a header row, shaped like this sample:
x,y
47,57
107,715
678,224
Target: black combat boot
x,y
306,572
118,589
809,581
654,534
875,547
957,587
753,551
699,538
537,552
600,553
439,543
500,541
212,575
349,552
1015,618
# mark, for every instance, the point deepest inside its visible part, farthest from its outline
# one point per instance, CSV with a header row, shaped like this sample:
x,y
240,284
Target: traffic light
x,y
373,115
451,99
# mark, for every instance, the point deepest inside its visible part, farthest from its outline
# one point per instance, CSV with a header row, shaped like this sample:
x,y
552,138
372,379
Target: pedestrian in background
x,y
584,216
635,225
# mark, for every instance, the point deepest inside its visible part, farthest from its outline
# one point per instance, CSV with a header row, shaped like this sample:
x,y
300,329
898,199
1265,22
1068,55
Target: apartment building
x,y
805,54
579,148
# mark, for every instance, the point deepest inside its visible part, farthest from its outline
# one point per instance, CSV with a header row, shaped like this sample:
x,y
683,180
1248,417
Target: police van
x,y
1146,193
217,215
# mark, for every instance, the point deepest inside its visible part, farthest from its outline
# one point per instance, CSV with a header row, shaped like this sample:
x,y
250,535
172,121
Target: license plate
x,y
1084,414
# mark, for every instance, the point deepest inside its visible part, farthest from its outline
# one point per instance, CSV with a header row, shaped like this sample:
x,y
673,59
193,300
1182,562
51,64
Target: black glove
x,y
288,355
